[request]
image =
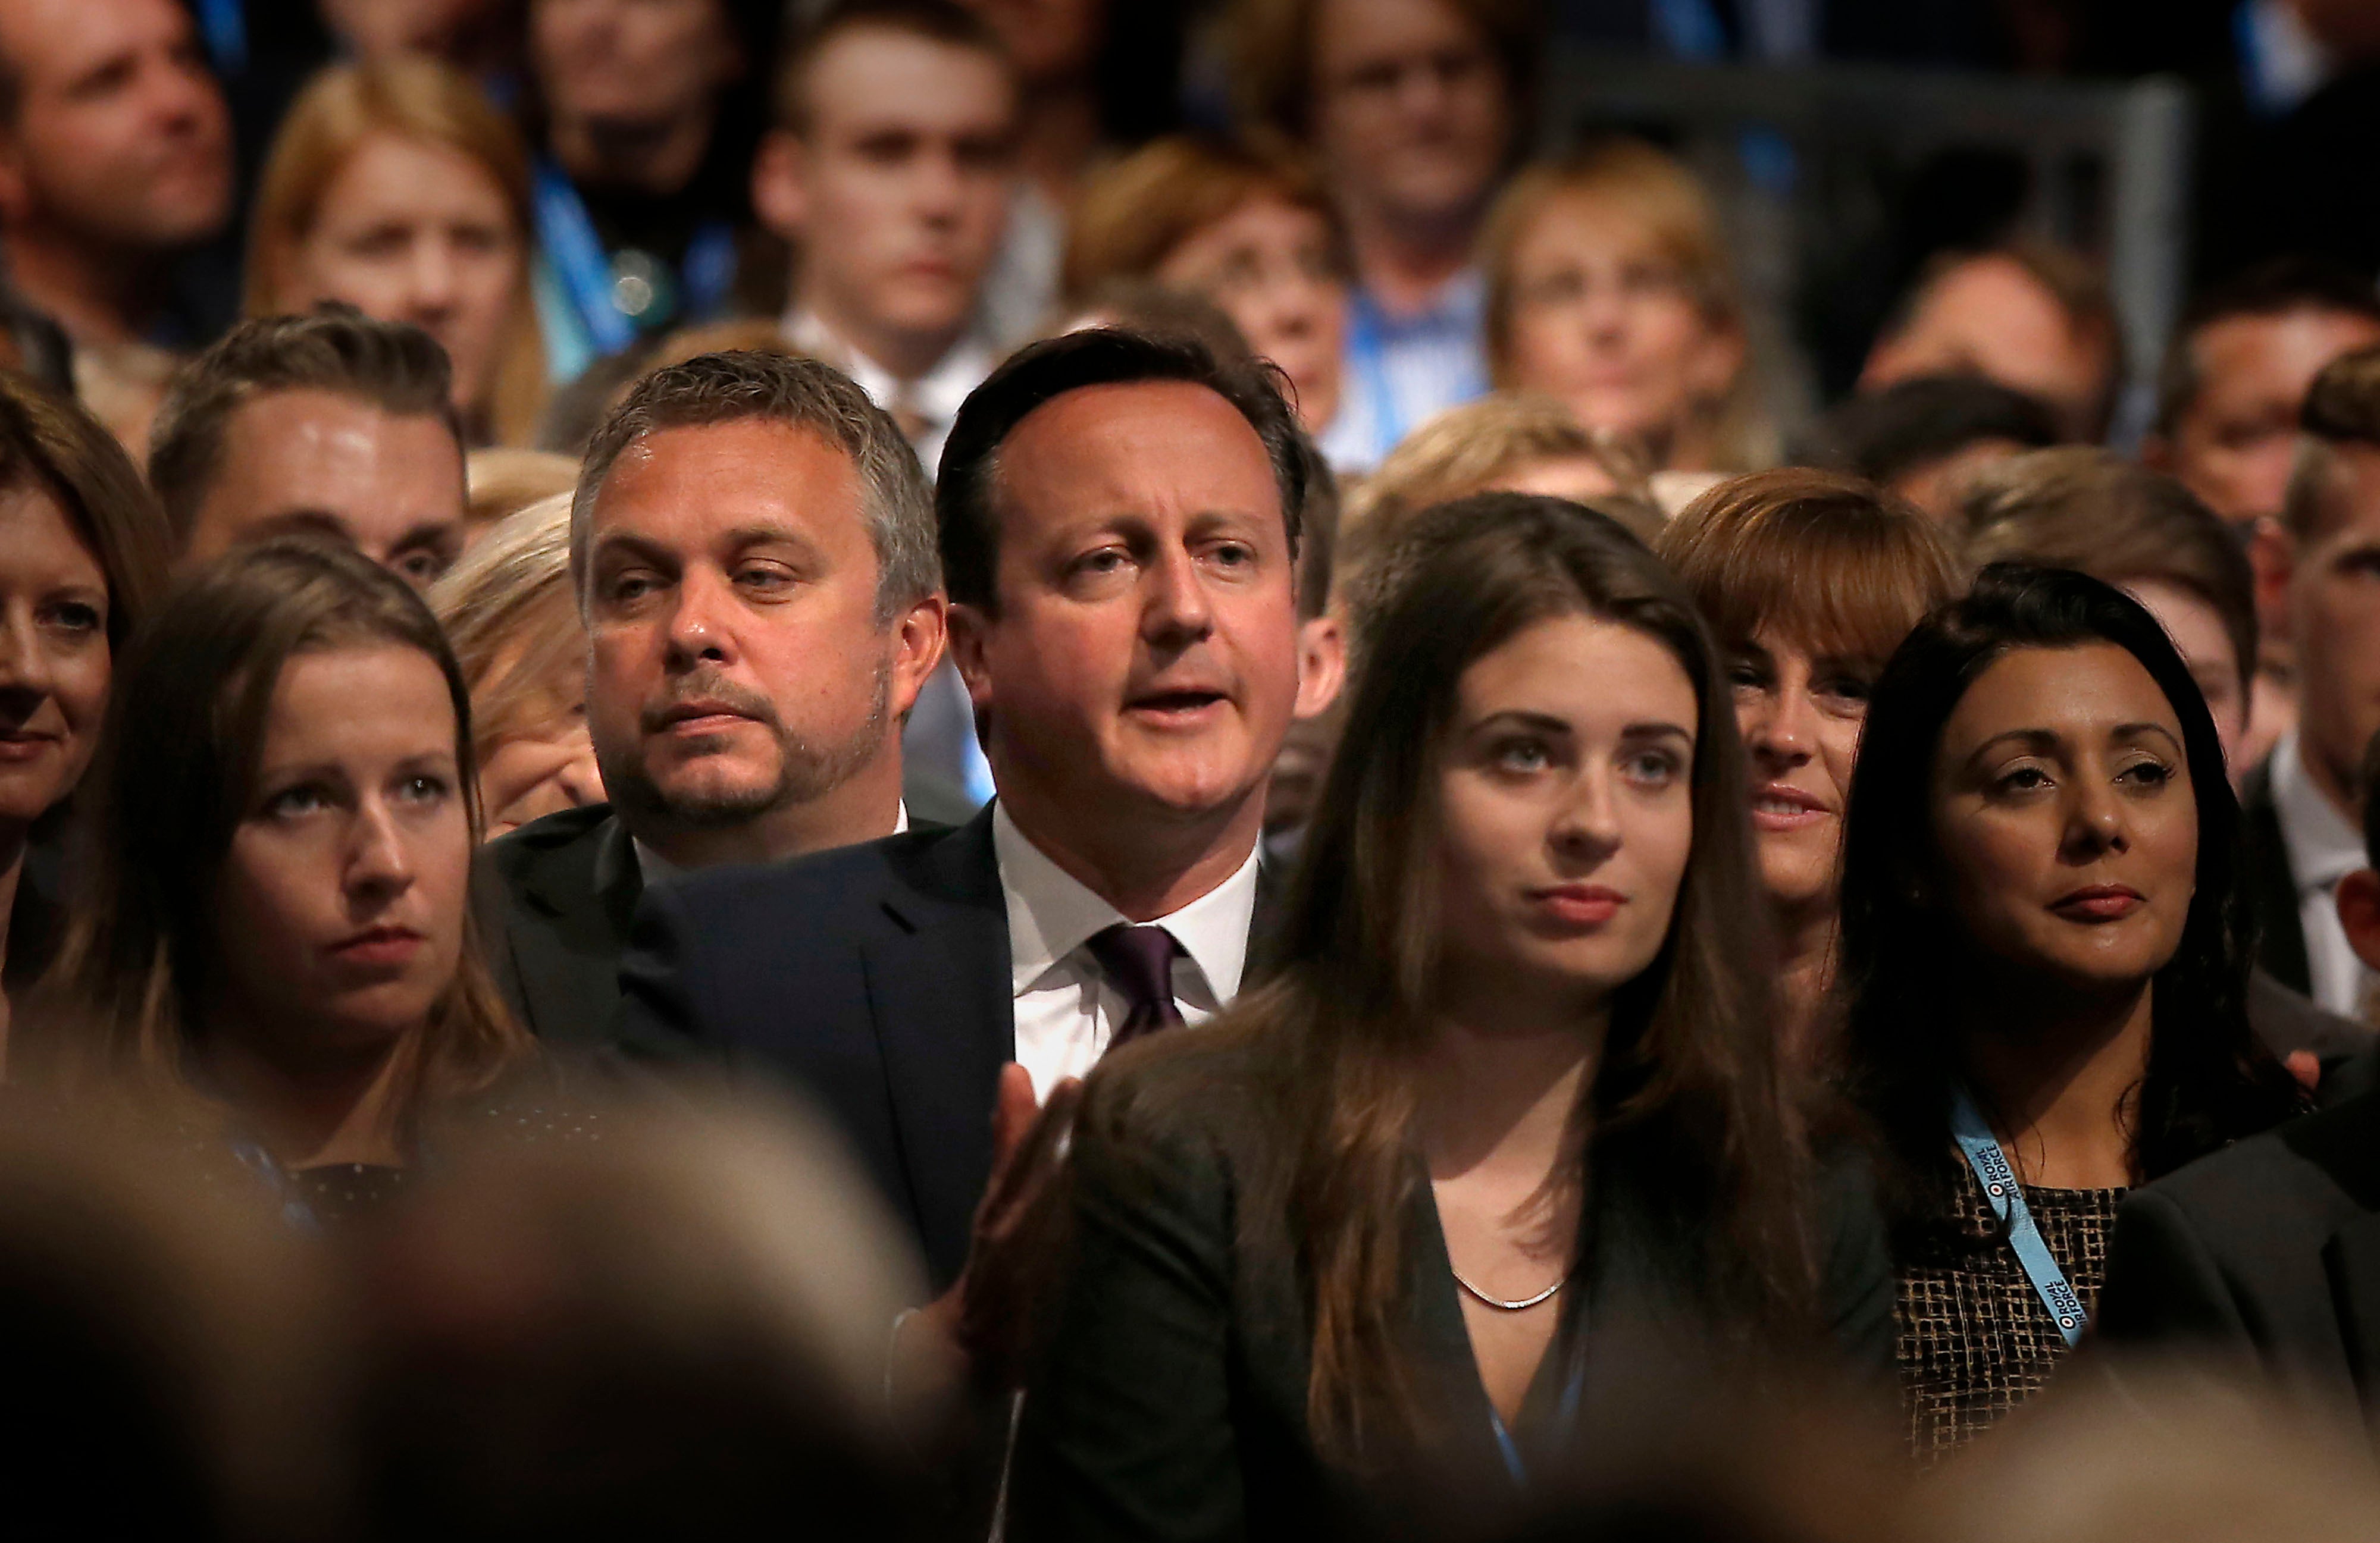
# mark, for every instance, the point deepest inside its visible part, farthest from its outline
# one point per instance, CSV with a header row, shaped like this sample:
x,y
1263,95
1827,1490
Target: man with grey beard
x,y
753,545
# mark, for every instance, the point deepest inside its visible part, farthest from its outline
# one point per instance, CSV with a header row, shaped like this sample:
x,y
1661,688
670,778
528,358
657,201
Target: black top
x,y
1975,1338
2267,1252
1172,1402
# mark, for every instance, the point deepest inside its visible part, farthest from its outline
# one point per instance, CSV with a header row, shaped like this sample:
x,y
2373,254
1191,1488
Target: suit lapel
x,y
569,971
940,989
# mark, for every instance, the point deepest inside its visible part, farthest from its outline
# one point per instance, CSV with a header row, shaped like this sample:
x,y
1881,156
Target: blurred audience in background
x,y
329,423
1609,286
116,159
273,954
1809,581
1927,439
84,556
890,169
1412,111
1252,232
2303,805
1507,443
2043,970
511,613
395,188
644,115
2236,374
751,551
501,483
2036,317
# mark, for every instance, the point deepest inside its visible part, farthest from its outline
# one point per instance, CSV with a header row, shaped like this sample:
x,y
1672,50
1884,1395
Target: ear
x,y
2358,899
921,636
970,637
781,185
1322,665
2157,453
2273,554
14,193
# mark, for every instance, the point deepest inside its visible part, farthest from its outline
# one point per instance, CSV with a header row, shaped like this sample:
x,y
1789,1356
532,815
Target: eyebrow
x,y
434,534
2044,739
1552,724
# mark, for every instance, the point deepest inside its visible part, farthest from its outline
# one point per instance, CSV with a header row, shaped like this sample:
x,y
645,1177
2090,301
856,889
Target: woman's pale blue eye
x,y
291,802
1652,767
1523,755
424,789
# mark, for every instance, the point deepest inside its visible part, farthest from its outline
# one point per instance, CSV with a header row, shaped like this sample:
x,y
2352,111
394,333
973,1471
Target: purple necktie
x,y
1139,961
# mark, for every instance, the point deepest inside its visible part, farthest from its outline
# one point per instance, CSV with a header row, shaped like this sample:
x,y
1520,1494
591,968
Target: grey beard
x,y
805,772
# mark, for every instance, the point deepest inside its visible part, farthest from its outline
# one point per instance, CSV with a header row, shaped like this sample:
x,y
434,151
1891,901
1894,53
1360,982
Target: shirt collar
x,y
1052,913
934,396
654,867
2323,847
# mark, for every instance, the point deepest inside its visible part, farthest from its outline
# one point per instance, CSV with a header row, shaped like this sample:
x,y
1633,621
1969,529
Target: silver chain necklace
x,y
1524,1305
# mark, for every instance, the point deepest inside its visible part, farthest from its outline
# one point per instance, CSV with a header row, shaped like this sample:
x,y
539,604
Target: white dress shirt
x,y
2323,849
1066,1011
930,401
653,867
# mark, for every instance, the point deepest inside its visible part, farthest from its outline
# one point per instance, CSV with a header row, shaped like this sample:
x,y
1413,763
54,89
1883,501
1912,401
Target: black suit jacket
x,y
2267,1251
2272,889
878,979
555,899
1172,1400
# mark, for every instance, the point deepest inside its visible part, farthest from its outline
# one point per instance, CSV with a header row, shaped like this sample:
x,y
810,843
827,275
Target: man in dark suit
x,y
753,545
2316,568
1119,521
2268,1253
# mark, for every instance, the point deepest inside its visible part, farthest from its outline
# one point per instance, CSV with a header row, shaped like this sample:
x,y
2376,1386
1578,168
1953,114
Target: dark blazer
x,y
2267,1251
1173,1402
2288,1022
2272,889
875,977
555,900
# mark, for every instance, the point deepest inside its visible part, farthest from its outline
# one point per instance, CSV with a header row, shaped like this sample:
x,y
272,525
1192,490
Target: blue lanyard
x,y
295,1209
2007,1198
585,268
1369,353
224,26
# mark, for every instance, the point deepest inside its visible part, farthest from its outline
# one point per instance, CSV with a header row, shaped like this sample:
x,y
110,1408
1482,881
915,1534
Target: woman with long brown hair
x,y
1509,1116
274,950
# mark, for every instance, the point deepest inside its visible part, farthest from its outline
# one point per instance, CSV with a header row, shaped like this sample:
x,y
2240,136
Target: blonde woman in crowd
x,y
1609,286
1252,232
396,187
511,614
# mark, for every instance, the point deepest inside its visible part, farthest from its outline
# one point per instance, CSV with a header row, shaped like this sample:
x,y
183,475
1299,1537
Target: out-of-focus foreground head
x,y
172,1351
2036,317
678,1333
331,424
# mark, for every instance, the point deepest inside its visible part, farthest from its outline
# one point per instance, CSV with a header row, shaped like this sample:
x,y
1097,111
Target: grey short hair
x,y
713,388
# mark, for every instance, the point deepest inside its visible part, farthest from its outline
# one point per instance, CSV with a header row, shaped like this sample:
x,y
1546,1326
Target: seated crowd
x,y
1199,838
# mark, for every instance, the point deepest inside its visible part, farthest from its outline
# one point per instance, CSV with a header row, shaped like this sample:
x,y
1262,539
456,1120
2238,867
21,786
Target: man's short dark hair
x,y
788,389
943,21
966,499
2343,408
393,365
1887,434
2269,289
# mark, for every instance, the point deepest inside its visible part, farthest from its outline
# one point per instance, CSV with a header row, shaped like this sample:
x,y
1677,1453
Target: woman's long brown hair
x,y
1686,1124
117,1014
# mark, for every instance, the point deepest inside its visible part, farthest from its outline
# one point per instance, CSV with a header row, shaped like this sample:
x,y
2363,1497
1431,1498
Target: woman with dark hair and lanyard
x,y
2045,968
1506,1132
